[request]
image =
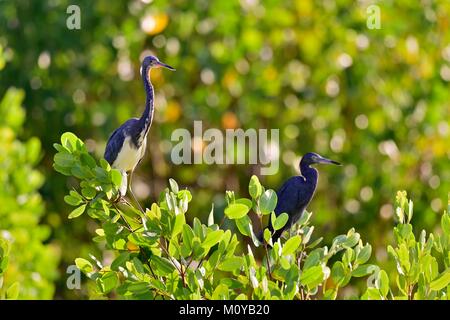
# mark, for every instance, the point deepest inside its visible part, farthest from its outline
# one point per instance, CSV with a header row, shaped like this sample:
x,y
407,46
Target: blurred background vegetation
x,y
377,100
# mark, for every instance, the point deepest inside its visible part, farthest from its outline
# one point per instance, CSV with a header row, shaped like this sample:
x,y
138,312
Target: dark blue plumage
x,y
126,145
115,141
296,193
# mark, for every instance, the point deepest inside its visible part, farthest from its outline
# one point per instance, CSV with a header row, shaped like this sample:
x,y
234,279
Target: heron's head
x,y
153,62
313,158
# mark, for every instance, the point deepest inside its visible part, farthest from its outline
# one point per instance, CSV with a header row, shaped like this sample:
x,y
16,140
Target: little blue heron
x,y
296,193
126,145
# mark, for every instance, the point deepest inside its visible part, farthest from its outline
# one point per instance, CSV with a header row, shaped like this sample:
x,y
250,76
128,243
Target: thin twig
x,y
265,247
128,226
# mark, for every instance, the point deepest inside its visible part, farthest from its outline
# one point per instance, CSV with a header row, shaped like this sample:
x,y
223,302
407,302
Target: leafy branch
x,y
160,256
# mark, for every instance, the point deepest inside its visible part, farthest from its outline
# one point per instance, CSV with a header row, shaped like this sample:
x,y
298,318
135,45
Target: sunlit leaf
x,y
77,211
236,211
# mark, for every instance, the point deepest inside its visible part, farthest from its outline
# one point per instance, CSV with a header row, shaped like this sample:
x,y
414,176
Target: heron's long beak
x,y
163,65
328,161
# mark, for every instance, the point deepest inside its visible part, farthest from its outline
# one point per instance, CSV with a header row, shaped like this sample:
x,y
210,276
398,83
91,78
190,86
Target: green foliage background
x,y
376,100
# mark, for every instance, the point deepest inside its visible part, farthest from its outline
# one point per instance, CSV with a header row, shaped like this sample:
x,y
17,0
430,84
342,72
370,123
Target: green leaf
x,y
105,207
241,296
184,194
255,239
59,148
88,192
62,169
280,221
5,248
312,277
77,212
212,239
313,259
404,231
244,201
185,250
338,273
285,263
198,230
236,210
174,248
291,245
120,261
105,164
108,281
220,293
120,244
384,283
244,225
87,160
231,264
348,256
351,240
84,265
211,216
330,294
268,201
372,294
163,266
188,236
410,211
73,201
64,159
254,187
180,221
403,255
173,185
143,240
116,177
364,270
69,140
441,281
267,235
102,175
364,254
12,293
445,223
315,243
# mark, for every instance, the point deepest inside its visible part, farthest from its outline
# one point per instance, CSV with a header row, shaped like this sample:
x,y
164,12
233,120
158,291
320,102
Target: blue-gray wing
x,y
114,145
289,201
115,141
288,196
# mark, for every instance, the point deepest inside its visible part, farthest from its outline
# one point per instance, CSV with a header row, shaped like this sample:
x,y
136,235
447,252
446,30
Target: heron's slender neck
x,y
147,115
310,174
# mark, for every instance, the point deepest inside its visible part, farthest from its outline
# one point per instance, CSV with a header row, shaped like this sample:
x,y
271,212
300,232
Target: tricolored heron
x,y
296,193
126,146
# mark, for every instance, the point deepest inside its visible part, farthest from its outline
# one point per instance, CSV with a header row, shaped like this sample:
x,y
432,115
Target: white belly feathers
x,y
129,156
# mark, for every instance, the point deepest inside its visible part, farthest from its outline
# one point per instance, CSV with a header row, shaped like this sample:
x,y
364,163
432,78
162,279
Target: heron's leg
x,y
123,185
131,191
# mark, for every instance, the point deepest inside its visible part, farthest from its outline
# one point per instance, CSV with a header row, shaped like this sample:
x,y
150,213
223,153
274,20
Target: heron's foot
x,y
119,198
122,199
